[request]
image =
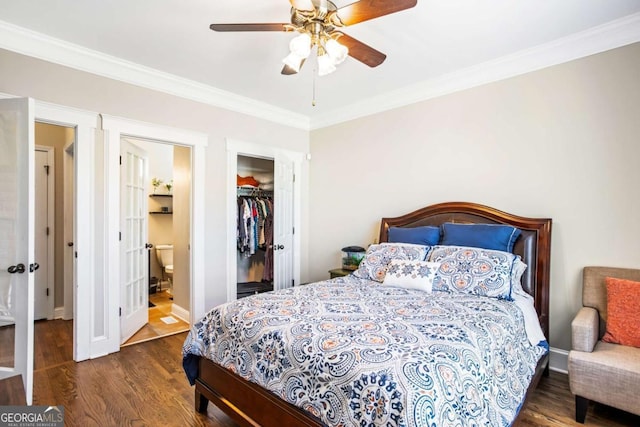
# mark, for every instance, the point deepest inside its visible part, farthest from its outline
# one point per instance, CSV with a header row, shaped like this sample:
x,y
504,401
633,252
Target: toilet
x,y
164,253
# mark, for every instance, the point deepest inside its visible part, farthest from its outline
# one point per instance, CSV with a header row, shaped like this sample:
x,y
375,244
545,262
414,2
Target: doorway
x,y
155,238
286,211
54,213
44,231
115,130
255,219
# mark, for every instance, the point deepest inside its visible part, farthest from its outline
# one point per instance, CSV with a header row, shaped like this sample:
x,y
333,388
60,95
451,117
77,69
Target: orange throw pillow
x,y
623,307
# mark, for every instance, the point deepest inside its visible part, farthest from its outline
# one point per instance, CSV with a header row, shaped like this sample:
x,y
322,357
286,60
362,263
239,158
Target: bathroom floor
x,y
161,322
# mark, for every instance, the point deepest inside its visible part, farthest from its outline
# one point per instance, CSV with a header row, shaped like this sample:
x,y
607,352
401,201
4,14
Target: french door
x,y
17,240
134,285
283,223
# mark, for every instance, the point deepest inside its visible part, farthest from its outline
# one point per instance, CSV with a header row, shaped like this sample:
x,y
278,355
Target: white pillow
x,y
374,264
411,274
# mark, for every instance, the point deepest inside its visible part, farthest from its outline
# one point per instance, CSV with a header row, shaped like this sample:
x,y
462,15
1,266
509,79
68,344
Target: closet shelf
x,y
161,213
254,192
160,195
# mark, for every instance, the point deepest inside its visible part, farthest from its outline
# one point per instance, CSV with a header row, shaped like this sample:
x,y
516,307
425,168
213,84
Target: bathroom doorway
x,y
155,247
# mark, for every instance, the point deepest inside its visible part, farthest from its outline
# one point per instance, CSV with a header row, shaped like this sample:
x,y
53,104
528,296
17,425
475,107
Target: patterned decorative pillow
x,y
377,257
411,274
623,312
474,271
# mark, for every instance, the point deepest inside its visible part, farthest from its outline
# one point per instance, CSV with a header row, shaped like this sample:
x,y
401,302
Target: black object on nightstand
x,y
339,272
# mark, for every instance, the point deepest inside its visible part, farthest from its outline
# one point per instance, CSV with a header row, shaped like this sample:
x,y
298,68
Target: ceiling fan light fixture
x,y
294,61
300,49
336,51
301,45
325,64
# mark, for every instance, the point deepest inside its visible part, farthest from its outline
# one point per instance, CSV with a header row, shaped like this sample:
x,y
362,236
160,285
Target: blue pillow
x,y
486,236
426,235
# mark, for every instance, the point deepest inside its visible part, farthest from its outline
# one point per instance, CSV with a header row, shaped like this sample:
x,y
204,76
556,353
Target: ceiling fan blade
x,y
302,4
362,52
365,10
248,27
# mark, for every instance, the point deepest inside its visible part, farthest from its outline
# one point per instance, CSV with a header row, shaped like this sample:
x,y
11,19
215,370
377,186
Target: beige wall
x,y
57,137
563,142
181,227
24,76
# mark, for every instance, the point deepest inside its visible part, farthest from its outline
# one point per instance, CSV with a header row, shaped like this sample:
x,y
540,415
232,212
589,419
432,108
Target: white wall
x,y
24,76
563,142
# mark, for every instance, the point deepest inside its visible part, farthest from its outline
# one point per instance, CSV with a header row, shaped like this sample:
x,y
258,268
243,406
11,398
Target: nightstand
x,y
339,272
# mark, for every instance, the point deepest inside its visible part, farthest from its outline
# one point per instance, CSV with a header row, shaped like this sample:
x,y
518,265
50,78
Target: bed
x,y
375,396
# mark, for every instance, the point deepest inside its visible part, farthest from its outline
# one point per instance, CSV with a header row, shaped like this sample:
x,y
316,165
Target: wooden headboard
x,y
533,245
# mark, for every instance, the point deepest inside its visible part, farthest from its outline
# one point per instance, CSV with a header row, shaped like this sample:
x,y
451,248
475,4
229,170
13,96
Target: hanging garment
x,y
267,274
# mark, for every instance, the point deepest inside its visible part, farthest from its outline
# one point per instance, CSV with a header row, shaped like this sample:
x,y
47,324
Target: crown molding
x,y
21,40
614,34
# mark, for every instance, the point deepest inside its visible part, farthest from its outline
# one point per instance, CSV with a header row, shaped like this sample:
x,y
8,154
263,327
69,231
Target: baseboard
x,y
180,312
58,313
559,360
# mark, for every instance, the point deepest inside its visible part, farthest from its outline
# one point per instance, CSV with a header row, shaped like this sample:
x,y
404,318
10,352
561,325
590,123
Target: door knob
x,y
19,268
33,267
69,244
148,245
281,247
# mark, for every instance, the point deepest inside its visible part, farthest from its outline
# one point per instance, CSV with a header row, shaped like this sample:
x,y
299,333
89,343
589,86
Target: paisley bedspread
x,y
356,353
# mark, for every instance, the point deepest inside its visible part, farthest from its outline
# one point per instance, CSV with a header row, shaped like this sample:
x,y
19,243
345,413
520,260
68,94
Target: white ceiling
x,y
427,47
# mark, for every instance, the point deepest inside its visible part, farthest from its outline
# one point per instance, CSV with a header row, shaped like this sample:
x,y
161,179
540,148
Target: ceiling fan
x,y
319,23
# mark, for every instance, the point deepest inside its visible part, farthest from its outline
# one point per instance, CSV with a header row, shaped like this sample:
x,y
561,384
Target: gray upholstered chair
x,y
600,371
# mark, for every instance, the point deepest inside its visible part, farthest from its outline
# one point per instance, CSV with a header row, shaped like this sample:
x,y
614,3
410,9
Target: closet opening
x,y
255,225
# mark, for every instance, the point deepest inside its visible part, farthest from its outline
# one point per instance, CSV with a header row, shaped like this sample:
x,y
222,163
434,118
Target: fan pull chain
x,y
313,100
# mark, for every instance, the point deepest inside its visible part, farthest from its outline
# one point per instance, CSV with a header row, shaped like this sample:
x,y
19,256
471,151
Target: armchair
x,y
601,371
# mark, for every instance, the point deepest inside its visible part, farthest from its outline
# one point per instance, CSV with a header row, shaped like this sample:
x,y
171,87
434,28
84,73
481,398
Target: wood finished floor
x,y
144,385
156,327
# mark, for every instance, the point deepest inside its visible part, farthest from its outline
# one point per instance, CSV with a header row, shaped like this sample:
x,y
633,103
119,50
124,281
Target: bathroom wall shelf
x,y
163,204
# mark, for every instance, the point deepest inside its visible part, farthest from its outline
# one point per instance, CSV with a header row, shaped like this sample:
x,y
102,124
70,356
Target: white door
x,y
43,237
283,223
16,240
134,281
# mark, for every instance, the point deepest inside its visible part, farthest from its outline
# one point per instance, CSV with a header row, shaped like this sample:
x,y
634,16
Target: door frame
x,y
85,343
68,168
249,149
115,128
51,196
